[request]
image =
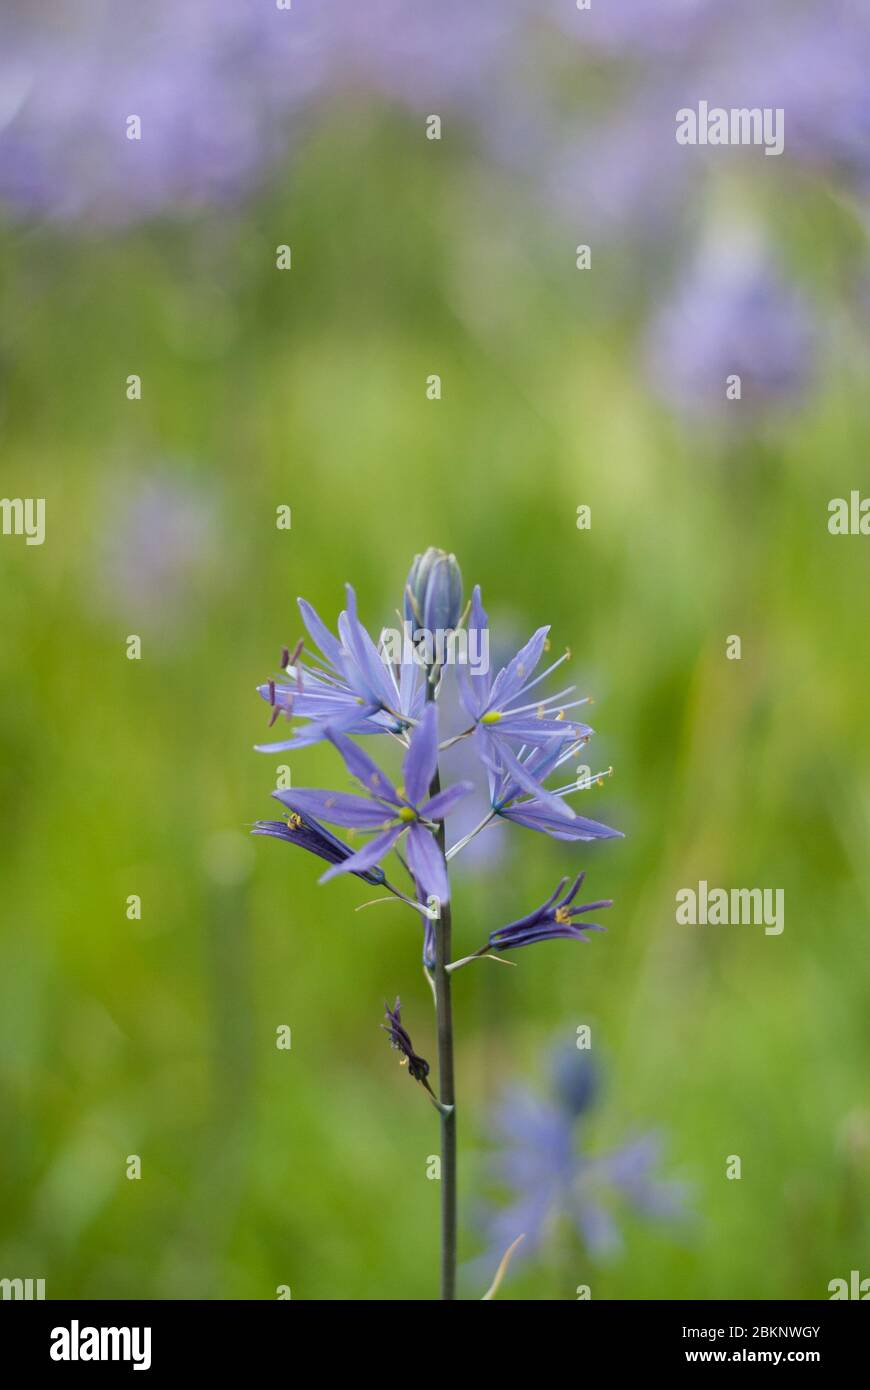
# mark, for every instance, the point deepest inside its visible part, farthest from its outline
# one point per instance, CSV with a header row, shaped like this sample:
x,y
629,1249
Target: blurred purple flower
x,y
160,538
732,315
548,1175
211,84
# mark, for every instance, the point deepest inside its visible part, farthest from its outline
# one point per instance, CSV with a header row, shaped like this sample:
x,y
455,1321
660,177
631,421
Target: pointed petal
x,y
426,863
474,687
376,783
520,774
439,806
370,673
573,890
337,808
319,632
538,817
511,679
367,856
421,759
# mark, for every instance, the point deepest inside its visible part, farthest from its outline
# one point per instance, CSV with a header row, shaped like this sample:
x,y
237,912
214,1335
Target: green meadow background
x,y
306,388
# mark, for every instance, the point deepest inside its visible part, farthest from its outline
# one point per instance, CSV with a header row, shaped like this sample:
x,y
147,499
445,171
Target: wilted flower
x,y
305,832
400,1039
553,920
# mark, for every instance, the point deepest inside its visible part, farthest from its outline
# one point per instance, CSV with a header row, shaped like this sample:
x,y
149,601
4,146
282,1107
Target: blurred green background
x,y
156,1037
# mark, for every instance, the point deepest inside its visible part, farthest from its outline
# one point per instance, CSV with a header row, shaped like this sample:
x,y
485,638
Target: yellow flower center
x,y
407,813
563,916
491,717
294,821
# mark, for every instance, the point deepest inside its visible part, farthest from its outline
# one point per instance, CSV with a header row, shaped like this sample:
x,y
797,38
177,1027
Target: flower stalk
x,y
446,1079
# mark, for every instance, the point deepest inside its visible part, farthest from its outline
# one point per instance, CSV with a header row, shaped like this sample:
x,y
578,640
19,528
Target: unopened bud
x,y
433,591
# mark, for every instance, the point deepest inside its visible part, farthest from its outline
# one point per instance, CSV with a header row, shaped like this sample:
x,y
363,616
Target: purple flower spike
x,y
553,920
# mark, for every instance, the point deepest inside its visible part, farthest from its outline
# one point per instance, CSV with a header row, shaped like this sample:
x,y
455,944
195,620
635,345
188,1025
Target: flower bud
x,y
433,591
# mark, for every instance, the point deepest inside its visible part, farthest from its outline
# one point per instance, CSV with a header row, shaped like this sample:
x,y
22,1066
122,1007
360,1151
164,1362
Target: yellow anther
x,y
563,916
294,821
561,714
491,717
407,813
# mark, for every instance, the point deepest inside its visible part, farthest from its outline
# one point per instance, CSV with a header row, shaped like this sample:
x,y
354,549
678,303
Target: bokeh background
x,y
307,388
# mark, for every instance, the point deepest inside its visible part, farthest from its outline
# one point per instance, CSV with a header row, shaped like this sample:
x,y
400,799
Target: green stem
x,y
447,1096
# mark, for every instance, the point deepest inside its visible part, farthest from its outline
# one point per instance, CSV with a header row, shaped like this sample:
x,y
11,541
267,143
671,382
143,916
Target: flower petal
x,y
474,686
370,673
520,773
366,856
511,678
337,808
438,806
537,817
421,759
426,863
376,783
319,632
